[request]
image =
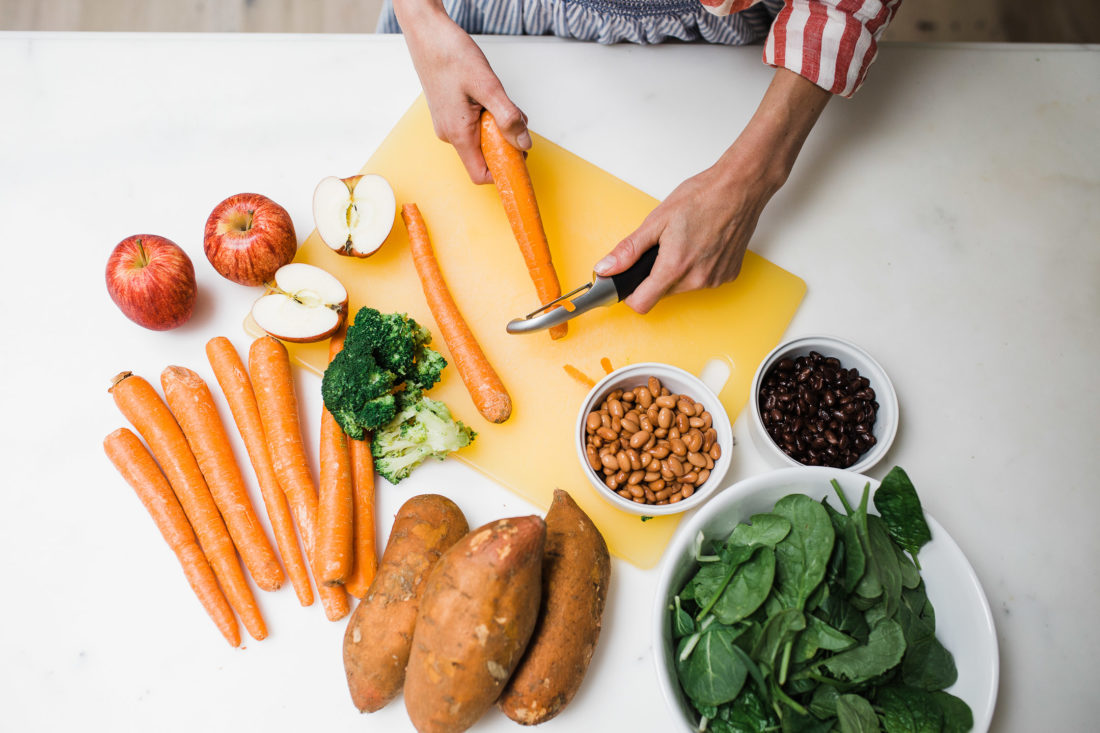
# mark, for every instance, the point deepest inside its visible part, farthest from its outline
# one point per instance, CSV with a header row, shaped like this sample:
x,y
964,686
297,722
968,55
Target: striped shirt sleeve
x,y
830,42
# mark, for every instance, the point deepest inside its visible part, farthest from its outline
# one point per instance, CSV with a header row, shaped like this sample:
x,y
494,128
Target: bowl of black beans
x,y
822,401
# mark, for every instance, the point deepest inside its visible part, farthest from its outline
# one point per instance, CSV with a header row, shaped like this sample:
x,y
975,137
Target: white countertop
x,y
946,219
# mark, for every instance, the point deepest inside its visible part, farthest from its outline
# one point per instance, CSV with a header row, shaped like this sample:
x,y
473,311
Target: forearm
x,y
765,151
418,17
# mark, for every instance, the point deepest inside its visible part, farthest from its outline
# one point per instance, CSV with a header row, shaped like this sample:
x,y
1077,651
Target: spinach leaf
x,y
883,572
765,529
957,716
754,670
749,713
823,700
883,650
799,721
747,588
910,573
713,673
819,635
855,715
838,612
908,710
711,578
803,556
928,665
898,504
779,630
851,549
682,623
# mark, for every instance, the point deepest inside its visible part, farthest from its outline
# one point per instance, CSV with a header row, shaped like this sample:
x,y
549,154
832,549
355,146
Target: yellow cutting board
x,y
585,211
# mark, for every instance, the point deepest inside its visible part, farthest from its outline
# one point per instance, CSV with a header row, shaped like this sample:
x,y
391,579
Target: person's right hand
x,y
458,83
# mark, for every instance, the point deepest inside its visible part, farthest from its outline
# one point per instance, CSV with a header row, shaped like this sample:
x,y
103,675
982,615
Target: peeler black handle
x,y
628,281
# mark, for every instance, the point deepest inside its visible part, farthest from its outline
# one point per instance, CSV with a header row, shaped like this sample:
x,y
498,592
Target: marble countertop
x,y
946,219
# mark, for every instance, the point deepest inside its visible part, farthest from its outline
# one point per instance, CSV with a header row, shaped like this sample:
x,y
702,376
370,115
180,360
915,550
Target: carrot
x,y
193,406
335,519
143,407
366,552
513,182
237,387
269,364
481,380
133,461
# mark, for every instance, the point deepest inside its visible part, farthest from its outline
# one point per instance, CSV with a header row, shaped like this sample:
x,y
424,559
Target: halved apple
x,y
354,215
302,304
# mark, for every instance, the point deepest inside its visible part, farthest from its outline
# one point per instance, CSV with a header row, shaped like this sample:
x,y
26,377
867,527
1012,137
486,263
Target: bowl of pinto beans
x,y
653,439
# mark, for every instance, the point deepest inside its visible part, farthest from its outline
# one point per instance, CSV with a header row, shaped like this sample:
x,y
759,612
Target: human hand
x,y
458,83
705,224
703,228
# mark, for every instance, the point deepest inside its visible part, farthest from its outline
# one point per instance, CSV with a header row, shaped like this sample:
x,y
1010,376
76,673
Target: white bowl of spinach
x,y
814,599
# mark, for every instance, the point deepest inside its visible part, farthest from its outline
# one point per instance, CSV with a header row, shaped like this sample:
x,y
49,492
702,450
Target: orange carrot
x,y
273,383
366,552
139,469
237,388
481,380
513,182
335,518
193,406
143,407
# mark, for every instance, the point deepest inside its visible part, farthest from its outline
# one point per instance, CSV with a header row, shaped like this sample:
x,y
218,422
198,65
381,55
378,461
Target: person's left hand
x,y
705,224
703,227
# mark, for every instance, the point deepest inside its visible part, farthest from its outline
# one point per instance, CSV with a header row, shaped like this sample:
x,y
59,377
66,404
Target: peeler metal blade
x,y
600,292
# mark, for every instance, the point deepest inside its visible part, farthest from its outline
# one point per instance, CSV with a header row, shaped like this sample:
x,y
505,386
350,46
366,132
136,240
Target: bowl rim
x,y
885,395
721,421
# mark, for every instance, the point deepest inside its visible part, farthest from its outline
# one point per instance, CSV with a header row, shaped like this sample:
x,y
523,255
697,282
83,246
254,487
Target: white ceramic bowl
x,y
678,381
850,356
964,622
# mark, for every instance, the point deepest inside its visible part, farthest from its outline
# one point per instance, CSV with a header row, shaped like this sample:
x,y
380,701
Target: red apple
x,y
248,237
152,281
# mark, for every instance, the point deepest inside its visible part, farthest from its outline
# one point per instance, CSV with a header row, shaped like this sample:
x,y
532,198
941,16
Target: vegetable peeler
x,y
600,292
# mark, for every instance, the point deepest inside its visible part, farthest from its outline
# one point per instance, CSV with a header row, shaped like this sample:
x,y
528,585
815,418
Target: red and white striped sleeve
x,y
830,42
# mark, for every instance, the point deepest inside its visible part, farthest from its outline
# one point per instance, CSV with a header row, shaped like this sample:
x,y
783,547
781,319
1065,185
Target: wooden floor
x,y
1051,21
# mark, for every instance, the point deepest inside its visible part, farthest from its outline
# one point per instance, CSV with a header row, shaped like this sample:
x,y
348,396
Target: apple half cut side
x,y
303,304
355,215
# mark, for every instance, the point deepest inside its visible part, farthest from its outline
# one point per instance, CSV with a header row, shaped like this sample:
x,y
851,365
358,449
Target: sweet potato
x,y
476,617
576,568
379,633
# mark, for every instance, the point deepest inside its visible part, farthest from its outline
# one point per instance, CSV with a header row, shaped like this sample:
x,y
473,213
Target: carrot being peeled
x,y
481,380
335,518
237,388
142,406
193,406
517,194
273,384
137,466
366,551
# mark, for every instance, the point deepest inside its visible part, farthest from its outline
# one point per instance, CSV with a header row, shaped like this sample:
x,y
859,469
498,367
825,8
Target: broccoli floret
x,y
397,341
424,428
381,352
429,367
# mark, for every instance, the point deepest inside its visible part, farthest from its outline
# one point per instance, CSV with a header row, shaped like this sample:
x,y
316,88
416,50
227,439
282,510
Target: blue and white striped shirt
x,y
604,21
